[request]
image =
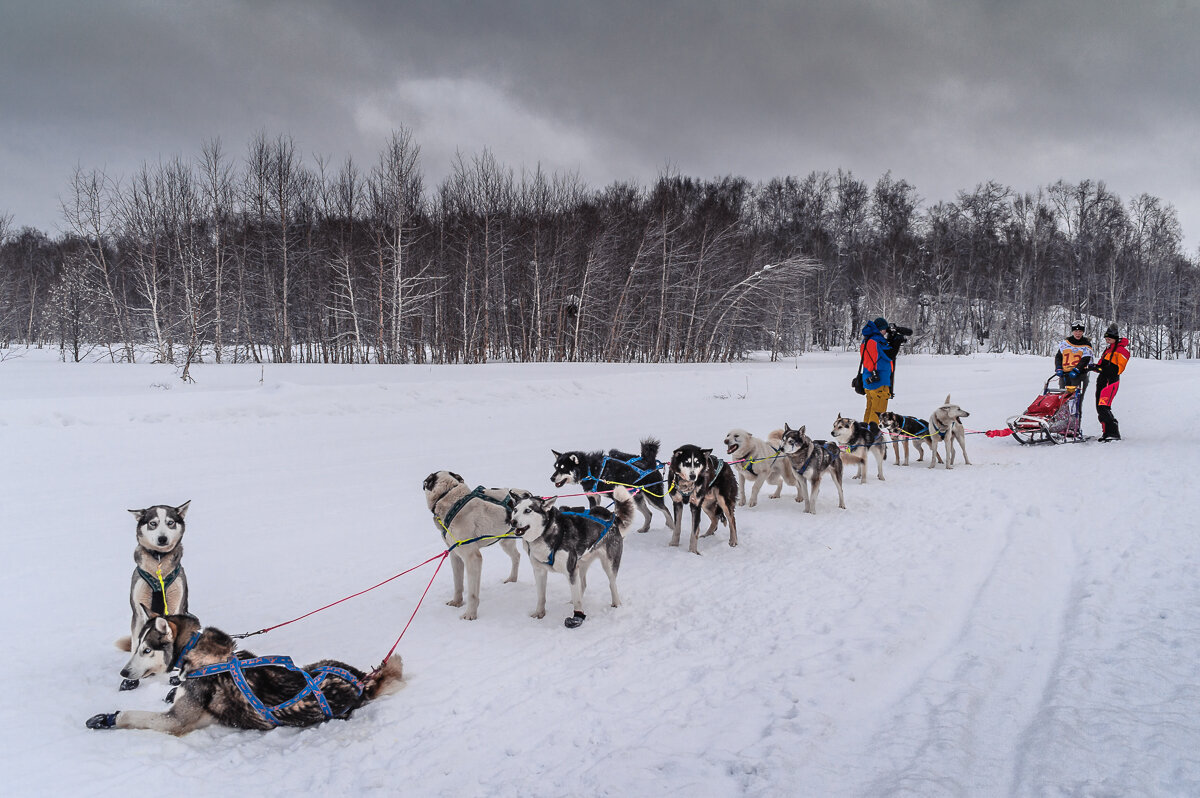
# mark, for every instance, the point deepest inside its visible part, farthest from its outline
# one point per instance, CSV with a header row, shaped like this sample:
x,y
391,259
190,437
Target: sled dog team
x,y
218,684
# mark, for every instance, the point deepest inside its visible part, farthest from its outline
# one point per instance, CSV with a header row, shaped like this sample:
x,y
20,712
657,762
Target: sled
x,y
1054,417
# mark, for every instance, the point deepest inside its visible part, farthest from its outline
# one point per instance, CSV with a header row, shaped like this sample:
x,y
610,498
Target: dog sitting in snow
x,y
234,688
159,582
568,540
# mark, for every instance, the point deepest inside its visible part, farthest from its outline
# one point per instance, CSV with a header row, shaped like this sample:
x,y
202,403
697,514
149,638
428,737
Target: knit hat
x,y
881,323
1112,333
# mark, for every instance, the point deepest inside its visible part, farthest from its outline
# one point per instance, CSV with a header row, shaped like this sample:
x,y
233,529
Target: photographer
x,y
877,353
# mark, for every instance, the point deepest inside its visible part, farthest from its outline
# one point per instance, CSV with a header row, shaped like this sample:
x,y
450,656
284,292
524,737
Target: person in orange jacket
x,y
876,368
1110,366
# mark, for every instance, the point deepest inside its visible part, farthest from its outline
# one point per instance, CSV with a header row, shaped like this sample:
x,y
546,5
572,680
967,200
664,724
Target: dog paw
x,y
456,602
469,616
128,684
574,621
102,721
175,681
539,614
506,581
169,698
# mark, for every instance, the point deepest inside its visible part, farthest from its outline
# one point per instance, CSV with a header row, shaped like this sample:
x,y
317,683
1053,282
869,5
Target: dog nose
x,y
162,540
124,673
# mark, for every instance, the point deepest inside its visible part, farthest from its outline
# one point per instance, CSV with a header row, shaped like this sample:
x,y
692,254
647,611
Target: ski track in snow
x,y
1022,626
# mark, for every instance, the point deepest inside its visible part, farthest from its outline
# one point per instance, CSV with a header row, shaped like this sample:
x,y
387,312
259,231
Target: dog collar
x,y
183,652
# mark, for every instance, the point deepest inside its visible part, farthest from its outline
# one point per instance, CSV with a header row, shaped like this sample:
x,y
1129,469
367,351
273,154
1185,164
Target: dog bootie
x,y
102,721
574,621
128,684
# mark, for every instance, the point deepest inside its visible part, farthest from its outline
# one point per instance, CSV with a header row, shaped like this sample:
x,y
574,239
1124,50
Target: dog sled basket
x,y
1053,417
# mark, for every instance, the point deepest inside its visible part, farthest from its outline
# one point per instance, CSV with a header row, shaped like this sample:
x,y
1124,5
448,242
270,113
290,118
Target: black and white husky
x,y
904,429
597,472
234,688
567,540
159,582
810,461
708,484
859,441
469,521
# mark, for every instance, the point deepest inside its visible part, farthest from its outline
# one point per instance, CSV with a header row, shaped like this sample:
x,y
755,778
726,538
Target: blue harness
x,y
234,667
832,449
183,652
588,515
641,472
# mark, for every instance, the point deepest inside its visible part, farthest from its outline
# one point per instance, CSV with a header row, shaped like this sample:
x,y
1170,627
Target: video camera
x,y
897,335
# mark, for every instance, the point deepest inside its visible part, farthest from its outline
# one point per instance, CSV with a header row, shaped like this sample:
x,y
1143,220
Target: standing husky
x,y
597,472
810,461
946,424
159,582
236,689
568,540
902,429
861,440
759,460
708,484
469,520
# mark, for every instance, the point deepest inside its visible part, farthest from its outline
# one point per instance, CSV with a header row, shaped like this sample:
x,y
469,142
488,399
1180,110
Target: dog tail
x,y
124,644
385,680
650,451
623,509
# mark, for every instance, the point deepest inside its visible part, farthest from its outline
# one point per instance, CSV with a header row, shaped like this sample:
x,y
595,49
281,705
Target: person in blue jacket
x,y
876,368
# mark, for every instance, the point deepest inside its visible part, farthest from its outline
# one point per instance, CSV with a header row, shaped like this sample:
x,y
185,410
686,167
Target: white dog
x,y
760,461
469,520
945,424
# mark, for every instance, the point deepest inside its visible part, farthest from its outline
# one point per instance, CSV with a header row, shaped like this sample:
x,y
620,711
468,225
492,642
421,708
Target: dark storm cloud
x,y
944,94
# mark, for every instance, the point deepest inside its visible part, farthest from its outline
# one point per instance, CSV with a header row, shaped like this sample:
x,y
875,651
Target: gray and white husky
x,y
902,429
859,441
758,461
946,425
159,582
207,698
568,540
810,461
469,521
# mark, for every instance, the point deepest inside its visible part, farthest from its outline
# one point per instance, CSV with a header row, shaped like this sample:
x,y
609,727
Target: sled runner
x,y
1053,417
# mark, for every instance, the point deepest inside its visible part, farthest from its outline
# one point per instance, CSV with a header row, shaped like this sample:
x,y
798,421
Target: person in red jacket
x,y
1110,366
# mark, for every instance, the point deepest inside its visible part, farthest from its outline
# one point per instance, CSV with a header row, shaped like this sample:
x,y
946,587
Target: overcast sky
x,y
944,93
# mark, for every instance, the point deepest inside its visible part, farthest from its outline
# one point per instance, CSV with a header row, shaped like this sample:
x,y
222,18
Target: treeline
x,y
267,256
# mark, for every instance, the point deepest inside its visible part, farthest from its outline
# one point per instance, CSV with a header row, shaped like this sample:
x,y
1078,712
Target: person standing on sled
x,y
1071,364
876,368
1110,366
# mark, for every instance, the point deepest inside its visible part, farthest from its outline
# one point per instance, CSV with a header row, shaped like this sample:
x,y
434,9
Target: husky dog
x,y
861,440
758,460
468,520
162,643
902,429
708,484
810,461
158,581
280,694
946,424
568,540
598,472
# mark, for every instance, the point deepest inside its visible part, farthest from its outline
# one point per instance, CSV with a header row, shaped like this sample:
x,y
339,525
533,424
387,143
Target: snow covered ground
x,y
1025,625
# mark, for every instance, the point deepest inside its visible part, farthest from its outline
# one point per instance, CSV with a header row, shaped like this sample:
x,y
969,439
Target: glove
x,y
1058,372
1073,373
872,376
102,721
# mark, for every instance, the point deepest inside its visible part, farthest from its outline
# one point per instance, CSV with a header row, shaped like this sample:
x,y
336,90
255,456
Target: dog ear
x,y
162,627
786,428
556,454
183,508
137,514
456,476
947,399
802,428
706,451
548,502
574,459
143,614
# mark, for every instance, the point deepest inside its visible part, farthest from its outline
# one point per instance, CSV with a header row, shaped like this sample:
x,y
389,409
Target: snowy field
x,y
1027,625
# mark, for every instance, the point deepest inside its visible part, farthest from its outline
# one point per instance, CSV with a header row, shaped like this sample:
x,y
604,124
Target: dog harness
x,y
159,583
833,451
235,667
183,652
596,480
445,521
749,467
606,524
